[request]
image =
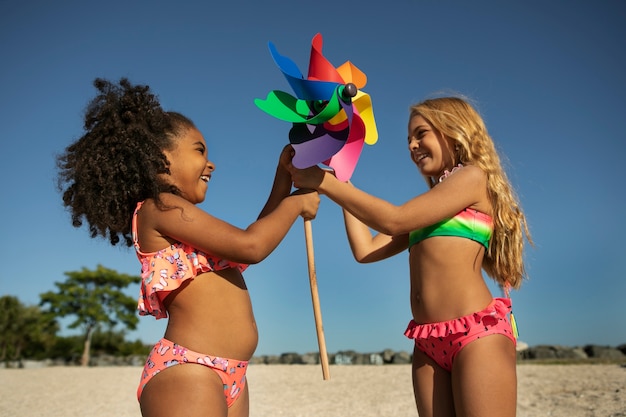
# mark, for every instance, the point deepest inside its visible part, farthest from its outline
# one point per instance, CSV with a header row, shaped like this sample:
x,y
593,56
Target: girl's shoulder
x,y
165,203
149,220
146,209
463,187
464,174
471,169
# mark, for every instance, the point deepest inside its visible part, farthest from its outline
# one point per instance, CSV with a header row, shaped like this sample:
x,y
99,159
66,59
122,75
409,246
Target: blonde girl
x,y
464,360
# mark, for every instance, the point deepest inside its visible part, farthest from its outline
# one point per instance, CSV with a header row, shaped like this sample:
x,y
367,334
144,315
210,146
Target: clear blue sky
x,y
547,76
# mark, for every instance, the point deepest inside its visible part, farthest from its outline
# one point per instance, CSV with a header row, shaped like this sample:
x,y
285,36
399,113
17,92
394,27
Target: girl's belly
x,y
213,315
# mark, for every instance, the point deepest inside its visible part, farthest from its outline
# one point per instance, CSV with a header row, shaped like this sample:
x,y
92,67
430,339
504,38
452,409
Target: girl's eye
x,y
417,135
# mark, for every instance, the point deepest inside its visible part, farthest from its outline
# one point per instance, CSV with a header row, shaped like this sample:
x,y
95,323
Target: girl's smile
x,y
430,150
190,170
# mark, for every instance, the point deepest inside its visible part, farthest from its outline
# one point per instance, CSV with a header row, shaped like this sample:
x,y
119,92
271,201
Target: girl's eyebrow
x,y
418,127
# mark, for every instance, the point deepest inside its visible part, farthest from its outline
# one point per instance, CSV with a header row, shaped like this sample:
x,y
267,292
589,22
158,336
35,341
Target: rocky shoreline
x,y
525,354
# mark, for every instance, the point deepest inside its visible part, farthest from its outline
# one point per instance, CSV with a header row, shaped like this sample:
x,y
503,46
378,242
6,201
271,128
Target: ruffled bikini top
x,y
469,223
165,270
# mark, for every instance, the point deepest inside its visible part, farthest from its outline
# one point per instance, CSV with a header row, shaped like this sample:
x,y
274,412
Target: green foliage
x,y
115,343
112,343
24,330
93,298
67,348
28,332
135,348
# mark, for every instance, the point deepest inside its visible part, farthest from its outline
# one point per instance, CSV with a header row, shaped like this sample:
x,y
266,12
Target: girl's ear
x,y
168,166
169,156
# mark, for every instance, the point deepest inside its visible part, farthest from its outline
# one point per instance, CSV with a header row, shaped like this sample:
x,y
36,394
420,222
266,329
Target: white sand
x,y
300,391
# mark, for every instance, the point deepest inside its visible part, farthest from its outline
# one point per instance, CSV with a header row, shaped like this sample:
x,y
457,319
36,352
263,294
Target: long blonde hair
x,y
456,119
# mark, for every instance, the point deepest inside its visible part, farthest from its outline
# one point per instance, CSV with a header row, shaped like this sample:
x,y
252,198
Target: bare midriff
x,y
446,279
212,314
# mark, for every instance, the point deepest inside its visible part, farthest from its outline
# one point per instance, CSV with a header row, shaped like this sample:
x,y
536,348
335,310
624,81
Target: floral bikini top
x,y
165,270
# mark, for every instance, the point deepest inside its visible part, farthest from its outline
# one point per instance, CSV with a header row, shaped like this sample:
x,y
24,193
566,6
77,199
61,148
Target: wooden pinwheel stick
x,y
347,93
317,313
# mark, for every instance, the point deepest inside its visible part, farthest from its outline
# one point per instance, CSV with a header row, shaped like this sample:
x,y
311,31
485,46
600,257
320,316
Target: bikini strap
x,y
134,225
507,288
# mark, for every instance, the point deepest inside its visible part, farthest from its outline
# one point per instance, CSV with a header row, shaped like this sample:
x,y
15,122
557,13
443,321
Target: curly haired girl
x,y
464,360
137,175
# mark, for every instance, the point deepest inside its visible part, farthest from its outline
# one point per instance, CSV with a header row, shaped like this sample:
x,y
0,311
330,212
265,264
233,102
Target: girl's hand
x,y
310,178
284,161
283,176
310,201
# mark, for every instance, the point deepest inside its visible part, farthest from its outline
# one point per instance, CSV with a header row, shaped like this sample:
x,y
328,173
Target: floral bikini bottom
x,y
165,353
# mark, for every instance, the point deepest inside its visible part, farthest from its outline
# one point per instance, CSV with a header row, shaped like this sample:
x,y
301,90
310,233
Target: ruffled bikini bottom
x,y
444,340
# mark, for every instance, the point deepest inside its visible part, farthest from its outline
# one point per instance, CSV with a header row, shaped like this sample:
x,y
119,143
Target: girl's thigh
x,y
241,407
484,378
187,390
432,387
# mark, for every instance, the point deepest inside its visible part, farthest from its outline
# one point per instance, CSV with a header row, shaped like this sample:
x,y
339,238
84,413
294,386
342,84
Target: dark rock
x,y
388,355
603,352
291,359
257,360
553,352
401,358
271,360
311,358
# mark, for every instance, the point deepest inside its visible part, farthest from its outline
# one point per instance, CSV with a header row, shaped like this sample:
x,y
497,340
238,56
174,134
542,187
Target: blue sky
x,y
548,78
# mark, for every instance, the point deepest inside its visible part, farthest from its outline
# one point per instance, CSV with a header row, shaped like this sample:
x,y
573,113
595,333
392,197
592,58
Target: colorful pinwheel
x,y
332,118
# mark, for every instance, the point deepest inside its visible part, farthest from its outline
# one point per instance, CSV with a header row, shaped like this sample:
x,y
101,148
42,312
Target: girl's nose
x,y
210,165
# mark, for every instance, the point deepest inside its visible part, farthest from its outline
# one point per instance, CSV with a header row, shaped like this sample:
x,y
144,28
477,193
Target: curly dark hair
x,y
117,162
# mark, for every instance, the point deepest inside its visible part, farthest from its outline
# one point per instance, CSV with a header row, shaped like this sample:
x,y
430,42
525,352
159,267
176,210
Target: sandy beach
x,y
299,391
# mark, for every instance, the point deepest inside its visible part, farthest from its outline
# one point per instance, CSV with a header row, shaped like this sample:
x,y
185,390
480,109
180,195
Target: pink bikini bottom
x,y
444,340
166,353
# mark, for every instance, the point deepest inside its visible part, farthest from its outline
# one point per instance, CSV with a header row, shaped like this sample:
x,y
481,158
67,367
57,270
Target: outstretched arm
x,y
466,188
368,248
282,185
372,211
187,223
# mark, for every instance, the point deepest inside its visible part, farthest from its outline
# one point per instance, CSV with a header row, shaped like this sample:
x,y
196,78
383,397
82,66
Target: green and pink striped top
x,y
469,223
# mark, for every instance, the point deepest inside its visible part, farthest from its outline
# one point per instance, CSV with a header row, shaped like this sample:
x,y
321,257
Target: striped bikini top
x,y
469,223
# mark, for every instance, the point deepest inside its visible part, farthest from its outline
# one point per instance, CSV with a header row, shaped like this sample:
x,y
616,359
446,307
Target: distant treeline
x,y
28,332
97,307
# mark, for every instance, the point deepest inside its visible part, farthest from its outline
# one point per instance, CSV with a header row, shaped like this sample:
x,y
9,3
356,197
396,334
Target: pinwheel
x,y
332,119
